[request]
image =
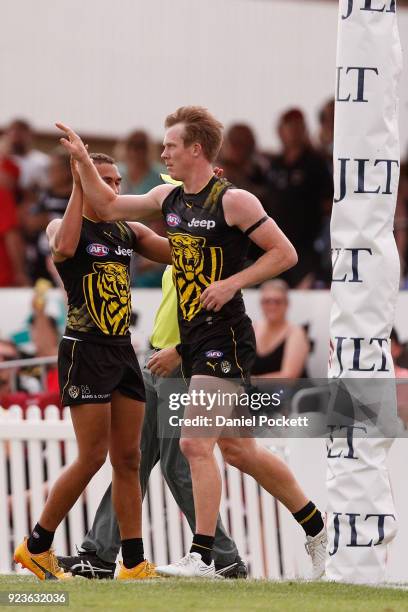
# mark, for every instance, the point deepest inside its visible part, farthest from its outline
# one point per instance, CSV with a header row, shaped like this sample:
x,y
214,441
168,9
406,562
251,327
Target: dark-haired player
x,y
209,225
99,375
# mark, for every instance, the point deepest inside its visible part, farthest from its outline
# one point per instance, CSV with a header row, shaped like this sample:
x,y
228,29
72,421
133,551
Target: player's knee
x,y
92,462
127,461
234,455
193,448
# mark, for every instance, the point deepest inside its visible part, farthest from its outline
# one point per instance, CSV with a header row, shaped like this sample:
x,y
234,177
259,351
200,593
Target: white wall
x,y
106,67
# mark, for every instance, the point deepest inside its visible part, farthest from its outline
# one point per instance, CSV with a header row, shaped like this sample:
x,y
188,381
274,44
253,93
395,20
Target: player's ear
x,y
196,149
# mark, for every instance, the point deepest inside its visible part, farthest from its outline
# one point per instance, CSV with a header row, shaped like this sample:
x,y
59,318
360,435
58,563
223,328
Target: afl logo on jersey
x,y
173,220
214,354
99,250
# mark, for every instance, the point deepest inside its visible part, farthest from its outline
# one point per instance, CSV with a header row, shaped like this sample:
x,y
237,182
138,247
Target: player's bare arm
x,y
151,245
243,210
63,234
108,205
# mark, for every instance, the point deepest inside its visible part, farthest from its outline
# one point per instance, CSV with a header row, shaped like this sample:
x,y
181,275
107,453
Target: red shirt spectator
x,y
8,223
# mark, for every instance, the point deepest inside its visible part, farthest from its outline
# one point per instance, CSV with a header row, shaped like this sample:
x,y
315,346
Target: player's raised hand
x,y
74,172
217,294
73,143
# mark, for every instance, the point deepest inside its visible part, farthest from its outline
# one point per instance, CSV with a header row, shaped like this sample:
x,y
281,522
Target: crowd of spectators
x,y
295,185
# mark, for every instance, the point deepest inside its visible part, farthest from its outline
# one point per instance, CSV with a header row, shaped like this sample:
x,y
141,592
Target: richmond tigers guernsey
x,y
204,249
97,282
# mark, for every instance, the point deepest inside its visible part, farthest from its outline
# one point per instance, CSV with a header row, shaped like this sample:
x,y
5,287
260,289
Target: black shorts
x,y
226,351
88,372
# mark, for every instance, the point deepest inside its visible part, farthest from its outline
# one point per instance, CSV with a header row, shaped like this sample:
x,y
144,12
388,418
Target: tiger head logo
x,y
107,294
188,256
195,266
113,281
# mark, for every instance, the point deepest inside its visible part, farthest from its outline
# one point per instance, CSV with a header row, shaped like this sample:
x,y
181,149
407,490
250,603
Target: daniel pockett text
x,y
226,409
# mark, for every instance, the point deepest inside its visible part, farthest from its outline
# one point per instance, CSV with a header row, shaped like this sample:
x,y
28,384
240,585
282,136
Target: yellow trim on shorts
x,y
70,368
309,516
235,351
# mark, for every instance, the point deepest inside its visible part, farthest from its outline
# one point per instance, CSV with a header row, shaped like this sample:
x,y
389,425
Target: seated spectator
x,y
398,354
8,352
282,347
17,141
243,165
50,205
300,190
401,373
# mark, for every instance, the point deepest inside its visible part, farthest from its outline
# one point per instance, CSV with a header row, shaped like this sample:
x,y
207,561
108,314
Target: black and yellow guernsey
x,y
97,282
204,250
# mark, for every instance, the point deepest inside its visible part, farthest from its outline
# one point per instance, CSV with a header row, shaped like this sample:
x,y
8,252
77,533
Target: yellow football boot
x,y
44,566
143,571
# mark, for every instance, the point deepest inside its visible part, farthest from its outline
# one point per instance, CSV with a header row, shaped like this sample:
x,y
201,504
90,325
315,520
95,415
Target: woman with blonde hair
x,y
282,347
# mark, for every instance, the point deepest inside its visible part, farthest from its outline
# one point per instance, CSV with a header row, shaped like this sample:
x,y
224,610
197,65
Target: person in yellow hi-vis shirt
x,y
102,543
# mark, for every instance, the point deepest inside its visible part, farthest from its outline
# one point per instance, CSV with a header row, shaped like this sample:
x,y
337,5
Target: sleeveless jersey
x,y
204,250
97,282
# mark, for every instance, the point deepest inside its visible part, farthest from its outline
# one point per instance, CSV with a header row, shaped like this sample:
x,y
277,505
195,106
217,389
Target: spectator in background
x,y
300,189
243,165
8,352
9,177
401,223
326,132
17,141
397,354
325,147
140,174
12,261
51,205
282,348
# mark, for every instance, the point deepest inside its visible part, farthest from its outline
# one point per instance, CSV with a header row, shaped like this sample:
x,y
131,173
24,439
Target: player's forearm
x,y
67,236
156,249
270,264
96,191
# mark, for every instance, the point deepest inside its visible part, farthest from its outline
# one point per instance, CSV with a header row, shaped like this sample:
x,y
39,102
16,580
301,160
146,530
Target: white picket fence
x,y
266,535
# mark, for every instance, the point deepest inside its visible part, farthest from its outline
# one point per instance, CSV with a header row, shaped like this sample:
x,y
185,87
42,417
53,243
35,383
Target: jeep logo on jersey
x,y
214,354
99,250
121,251
173,220
207,223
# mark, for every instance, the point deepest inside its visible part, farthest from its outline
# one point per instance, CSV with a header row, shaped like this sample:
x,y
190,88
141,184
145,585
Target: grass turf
x,y
180,595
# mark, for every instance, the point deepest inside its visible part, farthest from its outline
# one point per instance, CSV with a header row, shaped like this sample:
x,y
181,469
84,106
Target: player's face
x,y
110,174
177,157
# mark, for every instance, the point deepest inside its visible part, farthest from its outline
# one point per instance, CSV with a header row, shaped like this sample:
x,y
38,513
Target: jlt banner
x,y
361,513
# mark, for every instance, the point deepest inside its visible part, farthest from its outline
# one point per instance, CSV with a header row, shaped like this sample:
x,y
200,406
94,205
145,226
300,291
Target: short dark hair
x,y
20,123
101,158
199,126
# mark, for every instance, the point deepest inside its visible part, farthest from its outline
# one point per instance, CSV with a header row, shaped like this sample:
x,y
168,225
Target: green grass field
x,y
224,596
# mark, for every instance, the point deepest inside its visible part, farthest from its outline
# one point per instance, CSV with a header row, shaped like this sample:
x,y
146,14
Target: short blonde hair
x,y
277,284
199,126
